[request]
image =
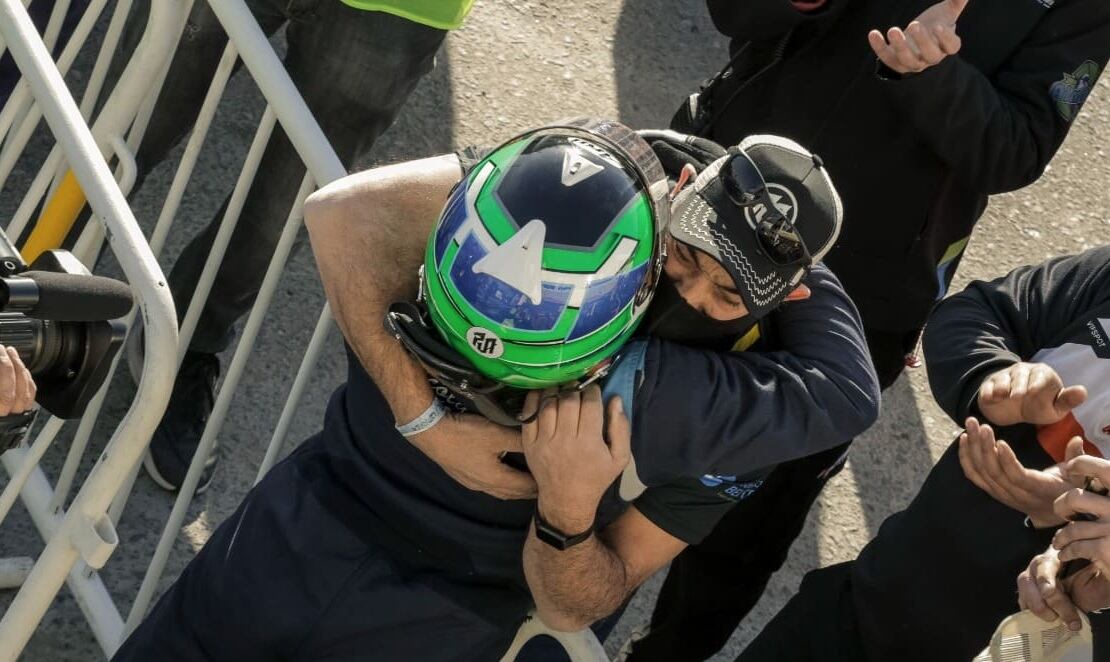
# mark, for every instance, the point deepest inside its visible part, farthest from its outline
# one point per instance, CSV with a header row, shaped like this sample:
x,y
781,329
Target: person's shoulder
x,y
820,273
825,289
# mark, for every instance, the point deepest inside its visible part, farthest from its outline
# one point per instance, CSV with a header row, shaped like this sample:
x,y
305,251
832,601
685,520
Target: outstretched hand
x,y
926,41
993,467
1028,393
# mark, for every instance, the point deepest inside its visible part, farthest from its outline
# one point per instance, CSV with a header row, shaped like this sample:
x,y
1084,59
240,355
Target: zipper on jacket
x,y
778,53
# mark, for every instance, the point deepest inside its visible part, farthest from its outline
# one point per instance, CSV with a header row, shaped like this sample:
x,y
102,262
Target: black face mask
x,y
669,317
762,22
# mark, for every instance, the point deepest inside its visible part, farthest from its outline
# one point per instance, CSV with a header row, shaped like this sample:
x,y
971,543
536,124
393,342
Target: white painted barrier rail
x,y
80,537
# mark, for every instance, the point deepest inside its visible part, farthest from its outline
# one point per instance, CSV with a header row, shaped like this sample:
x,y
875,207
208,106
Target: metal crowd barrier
x,y
80,538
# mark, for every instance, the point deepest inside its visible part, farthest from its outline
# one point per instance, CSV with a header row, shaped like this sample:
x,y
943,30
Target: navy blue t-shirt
x,y
428,521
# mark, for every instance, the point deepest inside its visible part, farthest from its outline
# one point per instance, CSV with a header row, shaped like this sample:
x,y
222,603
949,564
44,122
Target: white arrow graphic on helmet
x,y
519,261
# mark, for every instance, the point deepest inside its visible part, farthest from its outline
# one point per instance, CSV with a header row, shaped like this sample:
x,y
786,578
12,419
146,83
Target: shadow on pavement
x,y
656,41
890,462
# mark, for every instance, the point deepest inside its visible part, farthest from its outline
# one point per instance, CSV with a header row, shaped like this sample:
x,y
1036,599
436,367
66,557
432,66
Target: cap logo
x,y
485,342
784,201
576,167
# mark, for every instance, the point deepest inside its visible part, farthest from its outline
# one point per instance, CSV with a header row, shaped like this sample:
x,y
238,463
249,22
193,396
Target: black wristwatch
x,y
556,538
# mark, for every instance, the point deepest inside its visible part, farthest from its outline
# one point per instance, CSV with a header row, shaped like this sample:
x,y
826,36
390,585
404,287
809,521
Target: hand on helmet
x,y
677,150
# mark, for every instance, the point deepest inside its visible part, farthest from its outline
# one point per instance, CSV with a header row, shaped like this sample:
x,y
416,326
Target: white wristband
x,y
432,415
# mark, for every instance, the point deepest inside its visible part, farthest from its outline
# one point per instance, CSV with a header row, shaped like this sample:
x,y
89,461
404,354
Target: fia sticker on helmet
x,y
485,342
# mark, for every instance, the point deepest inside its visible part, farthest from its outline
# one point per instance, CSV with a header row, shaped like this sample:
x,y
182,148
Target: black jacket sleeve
x,y
991,325
998,133
735,413
689,509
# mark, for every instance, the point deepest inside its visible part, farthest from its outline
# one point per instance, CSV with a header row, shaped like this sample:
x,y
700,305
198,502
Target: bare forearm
x,y
368,233
577,586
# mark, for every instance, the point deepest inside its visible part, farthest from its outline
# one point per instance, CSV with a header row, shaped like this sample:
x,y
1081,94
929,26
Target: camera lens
x,y
48,349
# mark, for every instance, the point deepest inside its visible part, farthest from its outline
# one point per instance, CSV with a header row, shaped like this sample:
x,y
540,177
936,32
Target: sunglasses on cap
x,y
778,238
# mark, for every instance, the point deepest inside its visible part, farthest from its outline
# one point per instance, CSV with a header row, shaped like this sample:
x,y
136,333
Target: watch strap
x,y
554,536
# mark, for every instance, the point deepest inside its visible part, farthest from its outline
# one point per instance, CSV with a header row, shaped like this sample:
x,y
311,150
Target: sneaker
x,y
178,434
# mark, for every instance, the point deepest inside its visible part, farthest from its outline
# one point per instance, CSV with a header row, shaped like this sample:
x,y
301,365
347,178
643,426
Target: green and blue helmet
x,y
547,253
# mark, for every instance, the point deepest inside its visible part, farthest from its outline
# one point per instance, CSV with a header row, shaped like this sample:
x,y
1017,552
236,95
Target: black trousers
x,y
711,587
354,68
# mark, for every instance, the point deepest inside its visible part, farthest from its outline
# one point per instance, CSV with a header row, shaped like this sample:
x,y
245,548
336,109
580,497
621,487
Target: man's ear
x,y
688,172
800,293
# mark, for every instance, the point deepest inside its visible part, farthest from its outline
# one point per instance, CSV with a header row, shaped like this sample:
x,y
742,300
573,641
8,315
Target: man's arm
x,y
575,587
991,326
574,467
998,133
751,410
368,233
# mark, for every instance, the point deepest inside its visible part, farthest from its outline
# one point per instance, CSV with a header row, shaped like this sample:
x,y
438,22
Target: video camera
x,y
64,323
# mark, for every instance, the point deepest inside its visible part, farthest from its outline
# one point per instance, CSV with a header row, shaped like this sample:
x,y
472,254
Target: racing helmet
x,y
547,253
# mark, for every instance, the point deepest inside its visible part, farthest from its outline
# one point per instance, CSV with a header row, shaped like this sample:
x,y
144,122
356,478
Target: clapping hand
x,y
1028,393
1042,591
926,41
992,465
1088,534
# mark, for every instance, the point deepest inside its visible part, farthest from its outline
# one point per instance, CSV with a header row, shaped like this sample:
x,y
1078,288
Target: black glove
x,y
692,116
676,150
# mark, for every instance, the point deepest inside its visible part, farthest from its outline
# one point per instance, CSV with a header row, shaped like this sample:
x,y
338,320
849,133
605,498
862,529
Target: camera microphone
x,y
63,297
65,323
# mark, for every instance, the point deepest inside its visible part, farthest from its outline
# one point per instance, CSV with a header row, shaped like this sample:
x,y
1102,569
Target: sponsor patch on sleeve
x,y
1072,90
728,487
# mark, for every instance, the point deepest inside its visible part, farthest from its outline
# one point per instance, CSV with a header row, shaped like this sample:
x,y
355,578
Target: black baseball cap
x,y
726,213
